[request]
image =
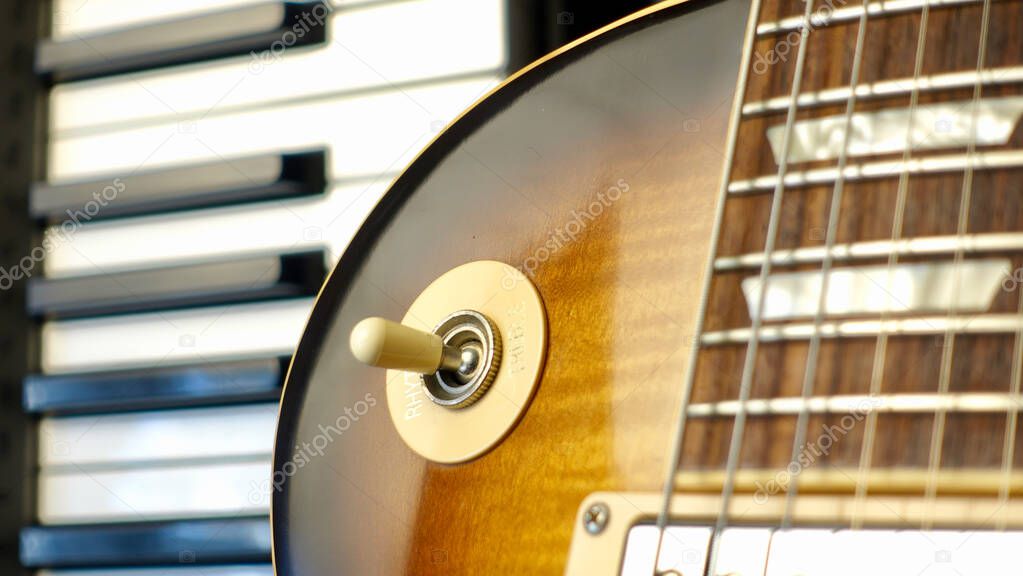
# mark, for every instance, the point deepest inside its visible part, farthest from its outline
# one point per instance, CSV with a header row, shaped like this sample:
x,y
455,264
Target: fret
x,y
969,244
888,88
888,52
927,325
956,511
970,402
852,13
884,169
842,480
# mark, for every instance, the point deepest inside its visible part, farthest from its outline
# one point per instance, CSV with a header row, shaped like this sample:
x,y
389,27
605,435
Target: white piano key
x,y
166,338
153,241
359,3
367,135
73,18
239,570
375,47
134,495
160,435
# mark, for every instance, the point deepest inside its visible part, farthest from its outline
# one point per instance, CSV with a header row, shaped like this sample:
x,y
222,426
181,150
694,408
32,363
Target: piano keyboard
x,y
228,184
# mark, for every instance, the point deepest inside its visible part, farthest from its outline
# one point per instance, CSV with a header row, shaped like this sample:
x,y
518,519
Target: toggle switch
x,y
385,344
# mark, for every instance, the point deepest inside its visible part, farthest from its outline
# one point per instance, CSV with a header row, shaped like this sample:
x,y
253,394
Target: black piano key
x,y
148,388
199,542
271,26
223,282
230,181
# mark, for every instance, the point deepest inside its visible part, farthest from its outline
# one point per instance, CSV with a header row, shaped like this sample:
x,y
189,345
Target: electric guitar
x,y
726,287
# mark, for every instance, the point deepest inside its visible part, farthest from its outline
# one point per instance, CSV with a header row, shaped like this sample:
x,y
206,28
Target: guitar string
x,y
749,362
898,219
810,374
947,352
864,463
735,116
1011,424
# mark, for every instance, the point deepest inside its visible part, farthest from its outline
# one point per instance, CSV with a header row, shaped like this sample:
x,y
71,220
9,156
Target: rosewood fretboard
x,y
959,366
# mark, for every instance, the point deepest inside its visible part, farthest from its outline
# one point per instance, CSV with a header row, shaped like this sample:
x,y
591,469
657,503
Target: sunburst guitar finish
x,y
633,179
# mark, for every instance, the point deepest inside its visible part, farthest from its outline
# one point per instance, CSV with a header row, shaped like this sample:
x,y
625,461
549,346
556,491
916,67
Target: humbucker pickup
x,y
624,541
821,552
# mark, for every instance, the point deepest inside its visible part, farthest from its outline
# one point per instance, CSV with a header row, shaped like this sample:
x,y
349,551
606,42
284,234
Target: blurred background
x,y
178,178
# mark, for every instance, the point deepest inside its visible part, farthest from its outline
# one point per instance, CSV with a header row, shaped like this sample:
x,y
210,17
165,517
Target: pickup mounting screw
x,y
595,518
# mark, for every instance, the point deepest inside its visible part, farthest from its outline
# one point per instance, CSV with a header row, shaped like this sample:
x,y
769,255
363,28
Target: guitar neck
x,y
863,318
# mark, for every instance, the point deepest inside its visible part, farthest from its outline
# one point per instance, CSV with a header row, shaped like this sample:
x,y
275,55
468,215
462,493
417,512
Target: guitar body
x,y
643,108
598,173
